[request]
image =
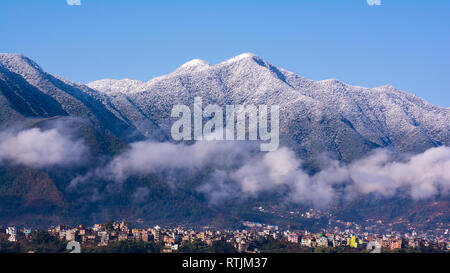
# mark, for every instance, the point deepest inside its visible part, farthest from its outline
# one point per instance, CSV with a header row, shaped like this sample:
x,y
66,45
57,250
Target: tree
x,y
223,247
43,242
195,246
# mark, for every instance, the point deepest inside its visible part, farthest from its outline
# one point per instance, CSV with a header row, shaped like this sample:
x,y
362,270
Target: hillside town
x,y
252,238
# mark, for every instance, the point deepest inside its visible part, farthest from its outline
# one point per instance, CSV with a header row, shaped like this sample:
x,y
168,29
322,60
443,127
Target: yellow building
x,y
353,242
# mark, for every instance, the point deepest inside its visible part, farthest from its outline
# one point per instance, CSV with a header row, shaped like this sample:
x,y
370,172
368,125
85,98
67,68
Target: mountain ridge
x,y
345,122
316,116
378,117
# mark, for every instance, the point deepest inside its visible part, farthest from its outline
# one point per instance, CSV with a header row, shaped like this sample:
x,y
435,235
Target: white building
x,y
12,232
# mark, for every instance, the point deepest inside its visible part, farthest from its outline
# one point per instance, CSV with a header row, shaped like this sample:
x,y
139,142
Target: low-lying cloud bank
x,y
238,170
174,160
420,176
41,148
229,169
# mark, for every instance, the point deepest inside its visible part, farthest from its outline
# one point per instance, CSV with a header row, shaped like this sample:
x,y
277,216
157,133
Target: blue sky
x,y
403,43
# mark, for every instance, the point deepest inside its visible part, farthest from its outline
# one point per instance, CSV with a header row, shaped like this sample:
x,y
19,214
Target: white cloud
x,y
240,171
73,2
374,2
146,157
40,148
420,176
424,175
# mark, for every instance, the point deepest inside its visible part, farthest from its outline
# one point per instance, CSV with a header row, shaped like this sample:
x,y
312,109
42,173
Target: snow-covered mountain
x,y
27,91
315,116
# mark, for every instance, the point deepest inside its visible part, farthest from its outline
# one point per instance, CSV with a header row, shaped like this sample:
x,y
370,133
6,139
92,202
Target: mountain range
x,y
316,117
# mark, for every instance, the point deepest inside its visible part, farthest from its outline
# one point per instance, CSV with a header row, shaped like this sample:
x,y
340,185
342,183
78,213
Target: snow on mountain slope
x,y
111,85
55,96
193,66
315,116
19,99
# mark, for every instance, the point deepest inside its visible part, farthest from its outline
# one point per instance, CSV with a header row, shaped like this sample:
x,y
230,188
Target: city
x,y
115,236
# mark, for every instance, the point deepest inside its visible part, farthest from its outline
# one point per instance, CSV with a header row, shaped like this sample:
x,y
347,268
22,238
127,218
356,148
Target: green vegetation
x,y
198,246
127,246
278,246
223,247
195,246
38,242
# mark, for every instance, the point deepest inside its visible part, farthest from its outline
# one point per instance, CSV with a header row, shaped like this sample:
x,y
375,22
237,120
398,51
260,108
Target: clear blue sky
x,y
403,43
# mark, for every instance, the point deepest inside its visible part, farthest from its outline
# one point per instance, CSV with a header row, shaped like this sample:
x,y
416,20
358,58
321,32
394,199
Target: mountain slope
x,y
19,99
315,117
28,91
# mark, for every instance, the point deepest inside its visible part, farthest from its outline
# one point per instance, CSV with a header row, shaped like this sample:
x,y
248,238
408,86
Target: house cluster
x,y
313,240
350,238
13,233
173,238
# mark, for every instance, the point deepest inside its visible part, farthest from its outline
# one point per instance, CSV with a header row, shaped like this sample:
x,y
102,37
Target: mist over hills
x,y
125,164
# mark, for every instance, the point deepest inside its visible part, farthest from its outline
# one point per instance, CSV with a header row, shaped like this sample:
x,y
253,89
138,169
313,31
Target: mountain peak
x,y
246,55
387,87
194,65
14,58
195,62
20,64
11,55
243,56
5,55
